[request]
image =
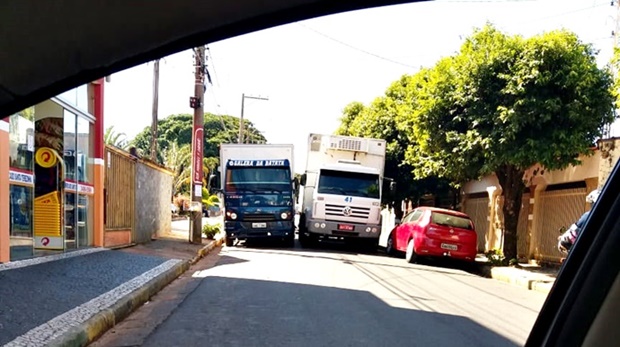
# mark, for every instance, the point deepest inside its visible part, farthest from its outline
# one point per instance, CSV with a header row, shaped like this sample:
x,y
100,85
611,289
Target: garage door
x,y
558,208
478,210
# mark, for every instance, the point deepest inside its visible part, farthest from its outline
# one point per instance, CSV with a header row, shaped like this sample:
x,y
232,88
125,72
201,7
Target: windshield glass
x,y
449,220
349,183
258,179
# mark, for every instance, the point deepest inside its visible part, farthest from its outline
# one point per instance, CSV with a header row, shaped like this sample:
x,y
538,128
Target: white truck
x,y
258,187
343,183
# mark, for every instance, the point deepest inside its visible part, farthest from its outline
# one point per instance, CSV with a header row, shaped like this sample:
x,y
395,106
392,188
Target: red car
x,y
434,232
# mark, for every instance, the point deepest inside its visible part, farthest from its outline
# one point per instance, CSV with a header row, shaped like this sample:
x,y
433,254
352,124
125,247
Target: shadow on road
x,y
334,251
243,312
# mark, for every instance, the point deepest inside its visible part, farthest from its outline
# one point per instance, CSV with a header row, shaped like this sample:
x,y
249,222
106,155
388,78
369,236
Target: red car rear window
x,y
445,219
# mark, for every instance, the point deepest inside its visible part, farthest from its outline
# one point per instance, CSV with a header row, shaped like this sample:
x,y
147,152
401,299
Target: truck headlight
x,y
284,215
368,229
231,215
322,225
374,230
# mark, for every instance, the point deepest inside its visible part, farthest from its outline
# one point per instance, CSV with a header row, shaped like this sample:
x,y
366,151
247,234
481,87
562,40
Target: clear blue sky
x,y
312,69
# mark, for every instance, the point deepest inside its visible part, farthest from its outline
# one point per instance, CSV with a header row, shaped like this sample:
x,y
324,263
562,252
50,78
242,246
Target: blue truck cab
x,y
258,198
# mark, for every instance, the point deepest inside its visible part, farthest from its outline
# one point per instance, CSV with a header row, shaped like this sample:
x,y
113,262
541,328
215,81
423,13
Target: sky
x,y
311,70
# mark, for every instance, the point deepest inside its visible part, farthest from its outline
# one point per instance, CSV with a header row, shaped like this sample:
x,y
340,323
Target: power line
x,y
563,13
483,1
356,48
217,80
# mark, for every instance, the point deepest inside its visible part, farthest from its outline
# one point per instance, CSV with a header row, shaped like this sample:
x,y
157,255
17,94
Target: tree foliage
x,y
178,129
381,119
175,139
113,138
503,104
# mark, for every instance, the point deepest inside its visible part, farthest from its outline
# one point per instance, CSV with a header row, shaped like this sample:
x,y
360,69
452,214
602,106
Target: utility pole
x,y
154,115
243,97
196,103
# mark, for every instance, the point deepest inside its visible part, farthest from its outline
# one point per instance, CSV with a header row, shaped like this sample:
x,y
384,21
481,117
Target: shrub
x,y
209,231
495,257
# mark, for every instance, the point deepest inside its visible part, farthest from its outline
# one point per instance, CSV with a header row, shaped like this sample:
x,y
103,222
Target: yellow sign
x,y
47,215
46,157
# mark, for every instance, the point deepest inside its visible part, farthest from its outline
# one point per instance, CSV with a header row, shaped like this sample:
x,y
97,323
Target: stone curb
x,y
97,325
522,281
206,250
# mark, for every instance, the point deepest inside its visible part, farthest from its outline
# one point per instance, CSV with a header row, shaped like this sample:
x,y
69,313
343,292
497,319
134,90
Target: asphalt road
x,y
255,296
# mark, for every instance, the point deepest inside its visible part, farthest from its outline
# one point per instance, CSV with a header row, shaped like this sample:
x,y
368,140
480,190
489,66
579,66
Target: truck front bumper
x,y
330,230
248,230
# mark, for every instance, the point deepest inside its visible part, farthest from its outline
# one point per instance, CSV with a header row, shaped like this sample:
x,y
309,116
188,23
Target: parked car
x,y
434,232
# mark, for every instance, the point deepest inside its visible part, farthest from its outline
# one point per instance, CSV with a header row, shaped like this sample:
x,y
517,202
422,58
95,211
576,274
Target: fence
x,y
137,199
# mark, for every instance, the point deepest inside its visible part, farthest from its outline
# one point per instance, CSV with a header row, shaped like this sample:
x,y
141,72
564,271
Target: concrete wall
x,y
153,192
609,153
589,168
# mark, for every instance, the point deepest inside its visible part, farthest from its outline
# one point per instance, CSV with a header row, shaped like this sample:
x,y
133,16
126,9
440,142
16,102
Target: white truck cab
x,y
343,181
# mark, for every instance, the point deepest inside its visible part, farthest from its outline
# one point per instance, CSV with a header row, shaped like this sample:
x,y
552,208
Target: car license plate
x,y
346,227
259,225
448,246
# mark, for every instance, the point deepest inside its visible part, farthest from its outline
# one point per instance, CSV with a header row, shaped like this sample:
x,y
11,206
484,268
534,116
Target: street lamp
x,y
243,97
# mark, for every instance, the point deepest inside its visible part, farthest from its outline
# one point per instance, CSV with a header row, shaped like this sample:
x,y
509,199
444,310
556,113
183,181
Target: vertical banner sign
x,y
48,204
197,160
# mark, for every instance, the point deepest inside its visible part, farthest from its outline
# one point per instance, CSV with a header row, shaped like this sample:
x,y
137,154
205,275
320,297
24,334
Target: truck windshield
x,y
349,183
258,179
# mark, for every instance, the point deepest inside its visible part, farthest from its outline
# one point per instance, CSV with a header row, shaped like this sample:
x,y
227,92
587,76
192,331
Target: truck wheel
x,y
304,240
289,241
229,242
369,246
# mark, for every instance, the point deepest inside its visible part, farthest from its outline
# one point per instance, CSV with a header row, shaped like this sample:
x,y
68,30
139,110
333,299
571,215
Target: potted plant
x,y
209,231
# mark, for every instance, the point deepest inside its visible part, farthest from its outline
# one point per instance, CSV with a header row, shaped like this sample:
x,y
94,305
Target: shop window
x,y
21,140
77,97
84,177
21,153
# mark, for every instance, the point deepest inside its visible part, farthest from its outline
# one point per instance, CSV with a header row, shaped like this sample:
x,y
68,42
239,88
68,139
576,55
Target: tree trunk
x,y
511,180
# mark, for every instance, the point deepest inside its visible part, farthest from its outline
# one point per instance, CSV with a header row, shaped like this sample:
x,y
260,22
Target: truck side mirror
x,y
295,183
304,177
213,184
392,186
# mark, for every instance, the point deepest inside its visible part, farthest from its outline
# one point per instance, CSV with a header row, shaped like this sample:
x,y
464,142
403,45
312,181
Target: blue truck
x,y
258,186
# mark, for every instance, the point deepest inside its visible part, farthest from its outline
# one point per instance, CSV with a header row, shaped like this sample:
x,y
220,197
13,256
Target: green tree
x,y
178,129
382,119
505,103
179,160
113,138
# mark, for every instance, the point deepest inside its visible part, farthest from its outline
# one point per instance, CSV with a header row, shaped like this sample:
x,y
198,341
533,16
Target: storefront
x,y
51,176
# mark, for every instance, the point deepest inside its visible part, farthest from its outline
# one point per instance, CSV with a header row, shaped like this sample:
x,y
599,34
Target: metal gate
x,y
558,208
478,211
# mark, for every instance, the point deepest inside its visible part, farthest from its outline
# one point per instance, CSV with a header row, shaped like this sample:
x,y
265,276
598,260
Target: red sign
x,y
346,227
45,241
197,161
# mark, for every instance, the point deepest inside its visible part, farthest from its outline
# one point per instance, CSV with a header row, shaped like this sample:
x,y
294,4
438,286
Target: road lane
x,y
286,297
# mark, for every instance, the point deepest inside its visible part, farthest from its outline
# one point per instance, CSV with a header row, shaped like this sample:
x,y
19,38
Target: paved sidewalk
x,y
71,298
535,278
532,277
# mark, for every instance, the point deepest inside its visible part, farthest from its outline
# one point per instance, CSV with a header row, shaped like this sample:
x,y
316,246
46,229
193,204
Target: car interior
x,y
48,47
